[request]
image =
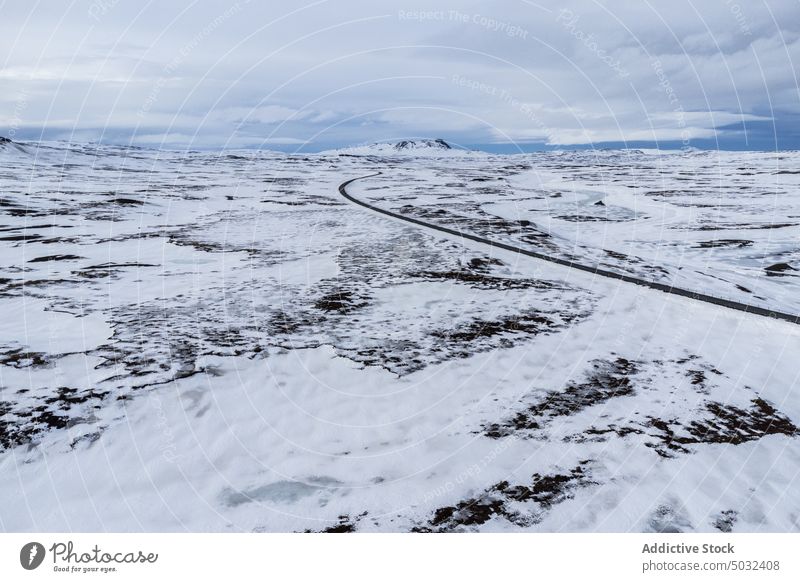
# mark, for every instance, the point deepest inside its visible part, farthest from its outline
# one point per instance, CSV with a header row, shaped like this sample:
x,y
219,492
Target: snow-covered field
x,y
196,341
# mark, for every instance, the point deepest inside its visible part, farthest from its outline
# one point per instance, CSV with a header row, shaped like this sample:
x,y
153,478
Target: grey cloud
x,y
339,72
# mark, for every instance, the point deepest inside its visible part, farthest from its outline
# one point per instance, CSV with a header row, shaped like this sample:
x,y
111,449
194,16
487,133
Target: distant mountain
x,y
422,144
7,145
416,147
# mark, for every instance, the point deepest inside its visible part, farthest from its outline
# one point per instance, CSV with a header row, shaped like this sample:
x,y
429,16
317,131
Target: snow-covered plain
x,y
220,342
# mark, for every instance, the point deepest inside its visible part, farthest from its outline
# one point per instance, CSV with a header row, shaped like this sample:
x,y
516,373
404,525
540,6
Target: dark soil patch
x,y
49,258
724,424
707,227
484,263
20,237
284,323
19,426
346,524
19,358
527,323
697,378
620,256
591,432
341,528
67,396
340,301
479,280
668,441
724,243
669,519
30,227
725,520
732,425
584,218
288,181
607,380
543,492
778,268
34,422
107,269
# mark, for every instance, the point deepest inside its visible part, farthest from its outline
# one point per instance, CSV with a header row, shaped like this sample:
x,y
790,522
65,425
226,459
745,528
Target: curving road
x,y
755,310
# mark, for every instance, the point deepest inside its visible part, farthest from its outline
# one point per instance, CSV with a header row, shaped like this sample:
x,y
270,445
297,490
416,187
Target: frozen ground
x,y
196,341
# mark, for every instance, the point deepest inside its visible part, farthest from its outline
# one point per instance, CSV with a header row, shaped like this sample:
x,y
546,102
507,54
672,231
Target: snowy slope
x,y
220,342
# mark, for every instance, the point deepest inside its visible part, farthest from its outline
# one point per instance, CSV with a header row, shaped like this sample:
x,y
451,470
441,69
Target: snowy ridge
x,y
435,148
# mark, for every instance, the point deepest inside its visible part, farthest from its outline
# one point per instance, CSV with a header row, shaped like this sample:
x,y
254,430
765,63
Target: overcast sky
x,y
503,75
